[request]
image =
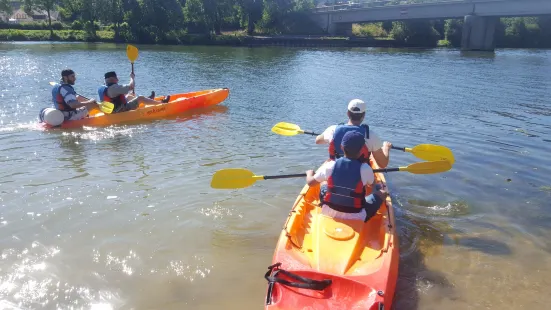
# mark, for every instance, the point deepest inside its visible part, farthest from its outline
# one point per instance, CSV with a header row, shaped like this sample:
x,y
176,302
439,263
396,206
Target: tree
x,y
387,26
28,6
46,5
208,15
415,32
5,6
251,12
454,30
115,15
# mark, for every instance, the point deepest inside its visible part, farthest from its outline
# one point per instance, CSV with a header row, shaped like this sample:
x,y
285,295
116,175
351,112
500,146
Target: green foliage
x,y
444,43
453,30
415,32
5,7
77,25
524,32
287,17
33,26
46,5
44,35
373,30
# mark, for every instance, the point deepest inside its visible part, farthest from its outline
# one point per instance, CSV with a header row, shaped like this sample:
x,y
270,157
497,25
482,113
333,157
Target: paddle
x,y
132,54
105,107
429,152
240,178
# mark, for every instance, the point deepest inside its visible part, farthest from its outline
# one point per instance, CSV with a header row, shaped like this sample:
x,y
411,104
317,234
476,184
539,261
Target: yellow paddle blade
x,y
287,129
52,83
106,107
429,167
431,152
233,178
132,53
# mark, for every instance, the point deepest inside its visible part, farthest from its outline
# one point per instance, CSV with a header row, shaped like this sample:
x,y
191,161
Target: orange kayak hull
x,y
359,259
178,103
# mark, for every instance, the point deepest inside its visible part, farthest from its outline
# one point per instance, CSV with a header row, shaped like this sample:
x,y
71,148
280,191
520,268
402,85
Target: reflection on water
x,y
123,216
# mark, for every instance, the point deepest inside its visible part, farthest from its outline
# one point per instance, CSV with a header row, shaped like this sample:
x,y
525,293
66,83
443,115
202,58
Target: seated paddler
x,y
343,183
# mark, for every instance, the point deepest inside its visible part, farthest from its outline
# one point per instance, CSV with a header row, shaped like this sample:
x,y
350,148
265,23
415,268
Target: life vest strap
x,y
351,194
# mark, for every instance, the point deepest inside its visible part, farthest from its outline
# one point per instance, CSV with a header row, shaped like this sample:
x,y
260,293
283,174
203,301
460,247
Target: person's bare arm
x,y
310,178
382,155
117,90
320,139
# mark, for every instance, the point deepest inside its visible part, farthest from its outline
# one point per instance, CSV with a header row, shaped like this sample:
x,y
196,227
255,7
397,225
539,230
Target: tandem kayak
x,y
178,103
325,263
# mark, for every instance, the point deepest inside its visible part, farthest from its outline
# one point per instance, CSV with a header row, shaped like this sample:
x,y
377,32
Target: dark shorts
x,y
373,202
130,105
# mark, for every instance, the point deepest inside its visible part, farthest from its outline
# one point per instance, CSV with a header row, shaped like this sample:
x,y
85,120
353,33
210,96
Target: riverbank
x,y
236,39
229,39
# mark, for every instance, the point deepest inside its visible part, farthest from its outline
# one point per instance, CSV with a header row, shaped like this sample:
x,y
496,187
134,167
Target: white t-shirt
x,y
325,171
373,143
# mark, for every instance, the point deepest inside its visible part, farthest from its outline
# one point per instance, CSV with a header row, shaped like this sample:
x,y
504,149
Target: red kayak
x,y
325,263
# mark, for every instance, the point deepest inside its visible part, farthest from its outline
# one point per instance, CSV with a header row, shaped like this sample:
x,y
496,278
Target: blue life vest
x,y
58,100
335,149
118,101
345,189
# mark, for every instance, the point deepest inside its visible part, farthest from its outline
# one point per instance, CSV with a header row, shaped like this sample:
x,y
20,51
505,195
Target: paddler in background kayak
x,y
118,94
343,191
66,100
356,114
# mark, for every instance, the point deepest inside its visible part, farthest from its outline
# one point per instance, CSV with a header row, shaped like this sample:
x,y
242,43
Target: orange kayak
x,y
325,263
178,103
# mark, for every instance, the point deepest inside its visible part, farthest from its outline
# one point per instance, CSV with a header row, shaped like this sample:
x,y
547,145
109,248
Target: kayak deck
x,y
178,103
360,259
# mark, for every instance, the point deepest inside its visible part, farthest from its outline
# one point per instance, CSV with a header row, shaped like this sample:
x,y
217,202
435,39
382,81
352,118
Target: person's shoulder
x,y
373,134
328,165
66,89
330,129
365,166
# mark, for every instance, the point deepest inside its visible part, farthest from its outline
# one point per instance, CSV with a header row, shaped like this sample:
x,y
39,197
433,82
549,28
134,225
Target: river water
x,y
123,217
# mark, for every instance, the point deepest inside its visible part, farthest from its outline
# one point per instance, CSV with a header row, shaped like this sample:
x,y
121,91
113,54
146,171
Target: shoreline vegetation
x,y
244,23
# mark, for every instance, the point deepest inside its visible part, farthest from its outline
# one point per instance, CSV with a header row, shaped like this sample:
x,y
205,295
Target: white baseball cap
x,y
357,106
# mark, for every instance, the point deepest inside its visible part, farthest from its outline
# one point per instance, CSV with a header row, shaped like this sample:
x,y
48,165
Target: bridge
x,y
480,16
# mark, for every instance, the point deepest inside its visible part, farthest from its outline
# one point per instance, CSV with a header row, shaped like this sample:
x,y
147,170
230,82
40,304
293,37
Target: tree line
x,y
151,21
167,21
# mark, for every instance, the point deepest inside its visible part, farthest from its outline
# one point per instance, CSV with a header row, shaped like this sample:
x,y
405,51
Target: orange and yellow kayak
x,y
325,263
178,103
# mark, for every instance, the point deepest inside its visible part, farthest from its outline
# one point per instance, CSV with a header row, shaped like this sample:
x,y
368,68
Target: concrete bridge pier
x,y
478,33
340,29
331,25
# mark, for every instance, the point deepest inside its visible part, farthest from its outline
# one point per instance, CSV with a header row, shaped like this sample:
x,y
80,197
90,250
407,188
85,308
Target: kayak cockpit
x,y
335,246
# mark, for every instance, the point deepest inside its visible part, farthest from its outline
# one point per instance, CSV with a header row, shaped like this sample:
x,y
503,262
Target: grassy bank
x,y
109,36
59,35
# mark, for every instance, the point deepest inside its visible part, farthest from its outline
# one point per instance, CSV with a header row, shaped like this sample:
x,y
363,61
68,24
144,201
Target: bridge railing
x,y
329,6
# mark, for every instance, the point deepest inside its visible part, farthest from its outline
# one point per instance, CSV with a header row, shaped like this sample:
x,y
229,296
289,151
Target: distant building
x,y
20,16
